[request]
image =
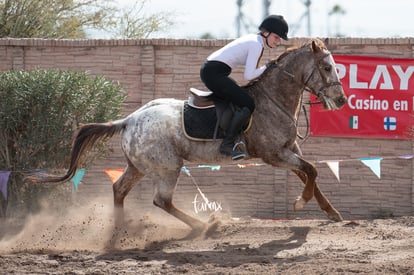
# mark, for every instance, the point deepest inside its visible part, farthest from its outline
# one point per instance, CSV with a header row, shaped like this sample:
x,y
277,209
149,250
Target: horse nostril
x,y
342,101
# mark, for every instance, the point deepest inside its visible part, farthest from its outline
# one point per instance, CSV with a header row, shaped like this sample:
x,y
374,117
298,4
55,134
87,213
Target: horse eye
x,y
328,69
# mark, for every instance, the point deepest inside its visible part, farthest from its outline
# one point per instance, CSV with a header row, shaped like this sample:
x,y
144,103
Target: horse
x,y
155,146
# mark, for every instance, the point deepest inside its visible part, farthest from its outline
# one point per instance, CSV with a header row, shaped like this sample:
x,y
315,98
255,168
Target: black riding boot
x,y
227,147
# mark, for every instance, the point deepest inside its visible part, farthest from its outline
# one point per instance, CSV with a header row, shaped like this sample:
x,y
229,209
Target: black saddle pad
x,y
199,124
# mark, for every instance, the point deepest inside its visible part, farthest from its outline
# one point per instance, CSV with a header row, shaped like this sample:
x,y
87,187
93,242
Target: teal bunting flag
x,y
78,177
374,164
212,167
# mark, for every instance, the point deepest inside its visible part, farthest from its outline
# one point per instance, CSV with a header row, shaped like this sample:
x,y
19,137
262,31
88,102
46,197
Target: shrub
x,y
40,110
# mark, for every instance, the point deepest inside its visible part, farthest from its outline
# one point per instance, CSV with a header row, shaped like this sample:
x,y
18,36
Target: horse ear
x,y
315,47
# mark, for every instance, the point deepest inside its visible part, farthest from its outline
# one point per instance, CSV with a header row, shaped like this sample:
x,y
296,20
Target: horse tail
x,y
84,139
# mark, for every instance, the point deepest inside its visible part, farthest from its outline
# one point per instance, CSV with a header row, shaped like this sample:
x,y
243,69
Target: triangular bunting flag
x,y
114,174
78,177
212,167
4,178
374,164
334,166
185,170
406,157
249,165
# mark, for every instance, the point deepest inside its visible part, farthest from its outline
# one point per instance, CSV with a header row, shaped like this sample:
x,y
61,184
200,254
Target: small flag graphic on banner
x,y
353,122
390,123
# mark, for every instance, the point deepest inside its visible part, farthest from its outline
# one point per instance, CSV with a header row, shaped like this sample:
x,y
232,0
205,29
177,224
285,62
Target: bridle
x,y
319,93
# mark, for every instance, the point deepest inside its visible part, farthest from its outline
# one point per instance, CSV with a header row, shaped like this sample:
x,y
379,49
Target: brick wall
x,y
153,68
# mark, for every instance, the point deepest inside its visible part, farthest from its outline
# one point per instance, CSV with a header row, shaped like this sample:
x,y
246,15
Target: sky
x,y
362,18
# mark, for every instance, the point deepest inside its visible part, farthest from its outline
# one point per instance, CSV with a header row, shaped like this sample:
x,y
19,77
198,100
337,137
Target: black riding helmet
x,y
275,24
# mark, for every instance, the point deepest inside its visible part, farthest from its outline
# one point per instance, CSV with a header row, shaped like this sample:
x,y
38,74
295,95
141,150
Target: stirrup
x,y
239,151
239,146
238,155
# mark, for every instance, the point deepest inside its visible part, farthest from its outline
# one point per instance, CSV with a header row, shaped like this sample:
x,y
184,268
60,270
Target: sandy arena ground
x,y
78,243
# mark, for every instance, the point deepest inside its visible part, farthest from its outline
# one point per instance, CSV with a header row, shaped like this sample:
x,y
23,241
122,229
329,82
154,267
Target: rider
x,y
246,50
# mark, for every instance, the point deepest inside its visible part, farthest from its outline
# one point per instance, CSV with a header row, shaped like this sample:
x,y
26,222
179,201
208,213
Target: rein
x,y
319,94
294,120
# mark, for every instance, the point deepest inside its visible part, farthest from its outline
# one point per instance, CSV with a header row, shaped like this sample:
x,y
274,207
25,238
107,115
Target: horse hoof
x,y
336,217
195,232
212,229
299,204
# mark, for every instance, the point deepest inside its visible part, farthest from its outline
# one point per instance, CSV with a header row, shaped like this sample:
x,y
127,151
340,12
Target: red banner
x,y
380,103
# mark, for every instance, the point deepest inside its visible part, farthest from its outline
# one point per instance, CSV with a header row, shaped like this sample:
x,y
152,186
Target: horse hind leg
x,y
320,197
326,206
121,188
165,184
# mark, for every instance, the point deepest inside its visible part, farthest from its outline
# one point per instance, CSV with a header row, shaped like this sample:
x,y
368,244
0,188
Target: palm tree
x,y
337,11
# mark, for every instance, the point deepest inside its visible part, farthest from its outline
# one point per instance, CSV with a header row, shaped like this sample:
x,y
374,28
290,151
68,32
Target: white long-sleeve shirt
x,y
245,51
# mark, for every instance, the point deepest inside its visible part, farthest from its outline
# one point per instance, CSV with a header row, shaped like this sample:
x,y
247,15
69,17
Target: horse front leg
x,y
165,184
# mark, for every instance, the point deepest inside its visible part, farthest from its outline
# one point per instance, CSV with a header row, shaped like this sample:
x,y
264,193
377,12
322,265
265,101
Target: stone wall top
x,y
188,42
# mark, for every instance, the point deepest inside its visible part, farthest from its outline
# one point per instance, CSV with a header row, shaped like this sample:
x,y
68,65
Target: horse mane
x,y
289,50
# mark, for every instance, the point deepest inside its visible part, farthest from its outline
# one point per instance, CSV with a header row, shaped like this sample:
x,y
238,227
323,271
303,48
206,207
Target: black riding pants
x,y
215,75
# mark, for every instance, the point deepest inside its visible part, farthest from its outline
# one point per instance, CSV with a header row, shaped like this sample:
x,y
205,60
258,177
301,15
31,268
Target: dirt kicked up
x,y
77,243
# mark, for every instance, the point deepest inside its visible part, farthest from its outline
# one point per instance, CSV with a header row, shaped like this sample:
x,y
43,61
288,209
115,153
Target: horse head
x,y
311,68
321,77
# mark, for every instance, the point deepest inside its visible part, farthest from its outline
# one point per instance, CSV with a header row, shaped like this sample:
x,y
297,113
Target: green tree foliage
x,y
39,112
51,19
132,23
71,19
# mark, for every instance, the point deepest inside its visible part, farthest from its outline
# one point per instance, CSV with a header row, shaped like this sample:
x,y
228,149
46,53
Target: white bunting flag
x,y
334,166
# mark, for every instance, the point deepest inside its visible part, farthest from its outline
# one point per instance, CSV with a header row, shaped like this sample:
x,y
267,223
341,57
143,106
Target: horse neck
x,y
281,85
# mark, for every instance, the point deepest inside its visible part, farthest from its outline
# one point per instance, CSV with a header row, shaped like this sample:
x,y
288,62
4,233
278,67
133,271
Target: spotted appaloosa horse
x,y
154,144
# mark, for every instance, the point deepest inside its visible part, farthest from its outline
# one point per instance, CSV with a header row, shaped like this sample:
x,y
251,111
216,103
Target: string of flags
x,y
374,164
